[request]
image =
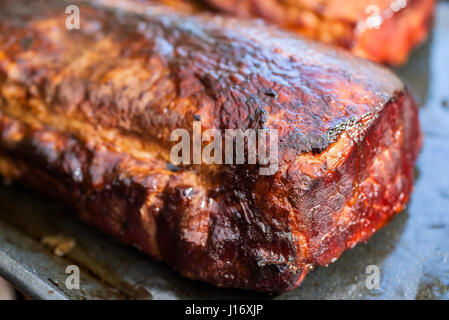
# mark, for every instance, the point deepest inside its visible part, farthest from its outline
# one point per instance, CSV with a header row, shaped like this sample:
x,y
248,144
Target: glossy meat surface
x,y
381,30
85,115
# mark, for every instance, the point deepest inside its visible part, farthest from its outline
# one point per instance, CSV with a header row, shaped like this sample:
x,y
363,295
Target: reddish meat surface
x,y
86,115
381,30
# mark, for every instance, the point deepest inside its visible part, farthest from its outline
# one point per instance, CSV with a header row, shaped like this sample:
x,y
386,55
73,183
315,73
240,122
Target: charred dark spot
x,y
26,42
270,93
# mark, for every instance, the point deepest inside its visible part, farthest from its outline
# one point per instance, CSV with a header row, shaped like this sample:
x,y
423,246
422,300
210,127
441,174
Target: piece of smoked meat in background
x,y
385,31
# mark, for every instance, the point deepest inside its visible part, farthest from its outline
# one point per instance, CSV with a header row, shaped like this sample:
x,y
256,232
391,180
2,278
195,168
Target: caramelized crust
x,y
86,115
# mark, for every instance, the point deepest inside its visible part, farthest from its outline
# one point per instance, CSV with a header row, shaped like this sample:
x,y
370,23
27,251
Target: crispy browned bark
x,y
85,115
381,30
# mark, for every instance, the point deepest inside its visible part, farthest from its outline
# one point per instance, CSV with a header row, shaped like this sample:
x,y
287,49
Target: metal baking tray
x,y
412,252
